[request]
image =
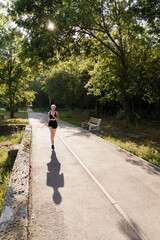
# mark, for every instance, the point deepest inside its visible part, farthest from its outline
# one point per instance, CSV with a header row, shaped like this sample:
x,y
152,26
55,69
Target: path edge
x,y
14,217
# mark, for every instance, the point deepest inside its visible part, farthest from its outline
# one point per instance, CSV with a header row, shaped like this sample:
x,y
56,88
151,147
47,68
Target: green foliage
x,y
14,73
65,83
119,38
105,79
5,167
5,172
41,98
120,114
56,85
150,12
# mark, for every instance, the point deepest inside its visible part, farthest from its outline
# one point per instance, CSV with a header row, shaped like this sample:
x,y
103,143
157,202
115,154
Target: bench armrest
x,y
85,124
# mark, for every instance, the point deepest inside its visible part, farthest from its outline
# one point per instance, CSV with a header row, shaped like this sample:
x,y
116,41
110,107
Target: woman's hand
x,y
53,119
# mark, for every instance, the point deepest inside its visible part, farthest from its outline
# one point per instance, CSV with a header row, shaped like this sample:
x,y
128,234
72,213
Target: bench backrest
x,y
94,120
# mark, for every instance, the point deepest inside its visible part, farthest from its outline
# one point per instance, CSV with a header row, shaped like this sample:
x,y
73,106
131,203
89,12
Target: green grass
x,y
143,140
11,139
5,142
143,150
5,172
14,121
20,117
5,168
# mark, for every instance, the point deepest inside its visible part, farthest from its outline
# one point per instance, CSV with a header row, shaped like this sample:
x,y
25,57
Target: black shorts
x,y
53,124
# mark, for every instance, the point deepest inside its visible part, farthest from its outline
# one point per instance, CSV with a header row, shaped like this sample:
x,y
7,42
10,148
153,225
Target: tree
x,y
62,84
65,82
14,75
143,74
41,98
116,27
109,22
56,82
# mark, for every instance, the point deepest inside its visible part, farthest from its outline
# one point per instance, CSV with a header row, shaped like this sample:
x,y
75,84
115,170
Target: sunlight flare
x,y
51,26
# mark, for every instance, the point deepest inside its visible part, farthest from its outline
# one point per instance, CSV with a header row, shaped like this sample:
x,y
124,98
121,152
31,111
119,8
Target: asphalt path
x,y
88,188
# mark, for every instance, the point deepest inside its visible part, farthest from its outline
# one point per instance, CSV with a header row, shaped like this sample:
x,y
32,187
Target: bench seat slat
x,y
94,120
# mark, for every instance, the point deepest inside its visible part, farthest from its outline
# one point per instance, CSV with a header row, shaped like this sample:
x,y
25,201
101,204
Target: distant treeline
x,y
86,84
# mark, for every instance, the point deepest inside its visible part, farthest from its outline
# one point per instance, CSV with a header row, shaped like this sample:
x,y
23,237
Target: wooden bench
x,y
1,116
93,124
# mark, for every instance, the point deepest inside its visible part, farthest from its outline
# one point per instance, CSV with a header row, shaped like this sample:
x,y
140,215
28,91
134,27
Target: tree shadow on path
x,y
54,179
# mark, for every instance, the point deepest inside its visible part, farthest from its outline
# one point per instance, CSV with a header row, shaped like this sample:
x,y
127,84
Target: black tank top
x,y
55,115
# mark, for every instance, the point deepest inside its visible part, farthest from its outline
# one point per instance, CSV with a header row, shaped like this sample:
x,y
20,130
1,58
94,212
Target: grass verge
x,y
142,140
20,117
5,172
5,142
5,168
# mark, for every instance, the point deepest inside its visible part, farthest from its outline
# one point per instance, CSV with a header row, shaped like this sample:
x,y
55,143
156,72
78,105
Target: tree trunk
x,y
140,105
11,108
11,102
132,105
126,107
96,107
49,98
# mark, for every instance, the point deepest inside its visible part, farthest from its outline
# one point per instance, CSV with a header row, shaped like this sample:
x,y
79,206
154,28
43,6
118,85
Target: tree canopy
x,y
120,40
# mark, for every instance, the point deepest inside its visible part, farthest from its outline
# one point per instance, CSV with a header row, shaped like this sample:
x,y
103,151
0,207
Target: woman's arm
x,y
49,116
54,118
57,116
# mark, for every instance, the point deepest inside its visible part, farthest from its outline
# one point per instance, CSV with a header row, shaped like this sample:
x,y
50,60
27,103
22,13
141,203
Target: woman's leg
x,y
54,132
52,137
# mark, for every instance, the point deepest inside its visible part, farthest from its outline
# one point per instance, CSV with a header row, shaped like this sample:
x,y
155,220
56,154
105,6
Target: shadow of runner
x,y
54,179
131,234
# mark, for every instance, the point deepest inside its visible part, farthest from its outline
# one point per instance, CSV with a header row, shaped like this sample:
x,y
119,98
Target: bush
x,y
120,114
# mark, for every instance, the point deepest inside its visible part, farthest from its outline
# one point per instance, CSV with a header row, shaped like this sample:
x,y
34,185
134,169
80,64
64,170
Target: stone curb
x,y
14,217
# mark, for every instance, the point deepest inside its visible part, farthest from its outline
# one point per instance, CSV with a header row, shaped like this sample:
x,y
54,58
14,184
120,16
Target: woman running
x,y
52,118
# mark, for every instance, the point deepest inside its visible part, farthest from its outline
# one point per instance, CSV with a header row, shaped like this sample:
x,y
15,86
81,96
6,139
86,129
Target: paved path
x,y
89,189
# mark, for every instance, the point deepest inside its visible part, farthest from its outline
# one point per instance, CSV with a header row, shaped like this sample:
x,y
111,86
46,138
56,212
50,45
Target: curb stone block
x,y
12,153
14,217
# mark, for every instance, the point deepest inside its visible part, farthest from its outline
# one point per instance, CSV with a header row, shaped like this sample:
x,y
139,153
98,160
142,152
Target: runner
x,y
52,118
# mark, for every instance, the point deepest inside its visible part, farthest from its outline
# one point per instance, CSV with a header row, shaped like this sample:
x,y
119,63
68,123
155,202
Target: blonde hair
x,y
53,105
